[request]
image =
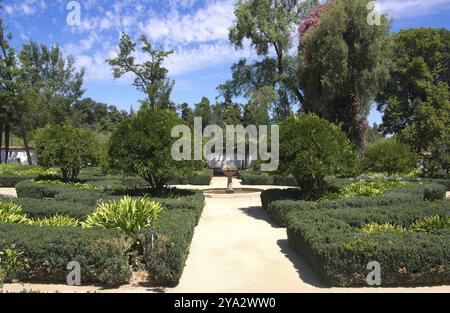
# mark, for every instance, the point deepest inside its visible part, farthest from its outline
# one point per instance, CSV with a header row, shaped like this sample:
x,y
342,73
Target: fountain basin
x,y
223,193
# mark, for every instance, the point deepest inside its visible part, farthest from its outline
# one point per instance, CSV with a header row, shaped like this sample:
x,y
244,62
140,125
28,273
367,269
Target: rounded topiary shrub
x,y
312,148
391,157
142,146
67,148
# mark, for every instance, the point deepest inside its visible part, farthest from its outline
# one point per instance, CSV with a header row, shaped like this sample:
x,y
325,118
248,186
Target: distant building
x,y
18,155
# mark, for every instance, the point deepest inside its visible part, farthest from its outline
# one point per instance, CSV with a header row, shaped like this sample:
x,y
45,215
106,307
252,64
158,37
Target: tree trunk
x,y
1,141
7,141
23,133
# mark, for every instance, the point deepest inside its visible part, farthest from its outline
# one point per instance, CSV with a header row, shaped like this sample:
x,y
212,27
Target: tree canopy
x,y
416,101
150,77
268,25
344,63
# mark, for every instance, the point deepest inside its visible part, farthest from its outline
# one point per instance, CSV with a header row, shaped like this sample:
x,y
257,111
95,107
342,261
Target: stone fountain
x,y
229,172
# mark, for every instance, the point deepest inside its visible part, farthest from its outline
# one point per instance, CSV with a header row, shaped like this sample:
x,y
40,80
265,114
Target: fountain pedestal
x,y
230,172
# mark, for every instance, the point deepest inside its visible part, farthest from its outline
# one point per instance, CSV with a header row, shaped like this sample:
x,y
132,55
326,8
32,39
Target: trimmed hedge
x,y
44,208
253,179
102,254
78,202
197,179
166,255
332,243
194,203
279,209
444,182
10,181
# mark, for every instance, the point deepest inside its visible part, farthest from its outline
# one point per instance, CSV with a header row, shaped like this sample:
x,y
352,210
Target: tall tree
x,y
186,113
268,25
416,101
53,80
256,111
203,110
150,76
345,62
13,93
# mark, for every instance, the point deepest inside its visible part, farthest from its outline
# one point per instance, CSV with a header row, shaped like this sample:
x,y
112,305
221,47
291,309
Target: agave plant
x,y
431,223
382,228
127,214
11,213
56,221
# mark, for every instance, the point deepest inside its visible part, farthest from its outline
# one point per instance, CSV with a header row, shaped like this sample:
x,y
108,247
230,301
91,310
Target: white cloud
x,y
26,7
186,60
401,9
206,24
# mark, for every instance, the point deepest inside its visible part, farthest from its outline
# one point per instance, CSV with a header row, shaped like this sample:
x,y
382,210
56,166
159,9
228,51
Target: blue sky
x,y
197,31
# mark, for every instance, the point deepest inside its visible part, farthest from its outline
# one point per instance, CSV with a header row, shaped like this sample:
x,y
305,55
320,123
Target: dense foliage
x,y
142,146
391,157
67,148
268,26
416,101
345,62
126,214
311,149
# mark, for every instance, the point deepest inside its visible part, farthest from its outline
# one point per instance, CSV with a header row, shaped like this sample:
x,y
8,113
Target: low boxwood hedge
x,y
102,254
279,209
167,246
10,181
197,179
255,179
164,256
332,242
45,208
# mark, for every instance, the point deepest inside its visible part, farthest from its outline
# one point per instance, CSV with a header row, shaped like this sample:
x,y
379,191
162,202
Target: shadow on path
x,y
258,213
305,272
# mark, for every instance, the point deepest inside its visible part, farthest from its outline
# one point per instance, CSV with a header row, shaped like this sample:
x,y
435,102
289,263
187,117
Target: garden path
x,y
235,249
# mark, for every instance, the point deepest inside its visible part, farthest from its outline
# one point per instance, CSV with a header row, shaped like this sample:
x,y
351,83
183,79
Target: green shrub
x,y
61,192
279,209
55,221
312,148
443,182
431,224
202,178
102,254
10,263
11,213
10,181
368,189
167,246
67,148
25,170
193,203
332,243
382,228
45,208
390,156
264,179
437,164
142,146
126,214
